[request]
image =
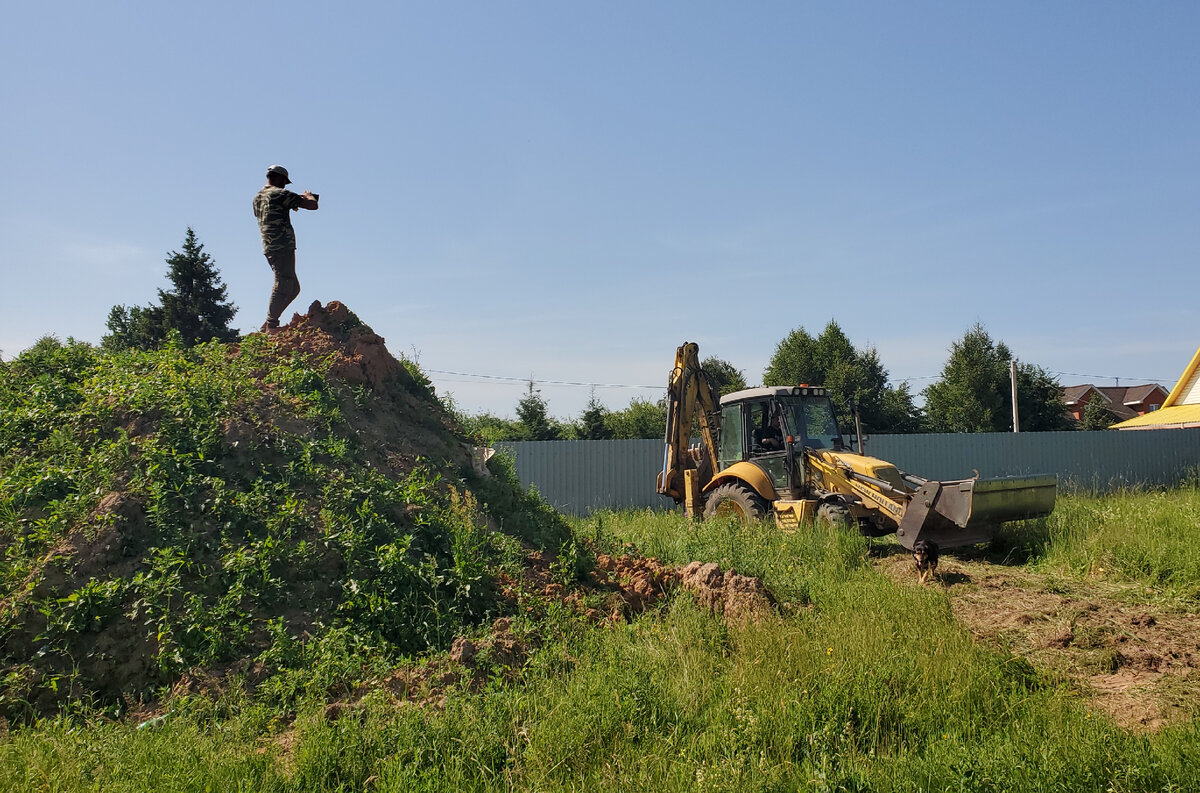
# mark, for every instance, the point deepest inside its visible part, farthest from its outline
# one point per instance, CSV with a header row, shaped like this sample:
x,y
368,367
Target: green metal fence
x,y
579,477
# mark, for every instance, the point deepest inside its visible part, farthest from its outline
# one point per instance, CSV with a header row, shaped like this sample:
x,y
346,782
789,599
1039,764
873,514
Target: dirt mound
x,y
187,519
355,353
210,504
331,337
1140,664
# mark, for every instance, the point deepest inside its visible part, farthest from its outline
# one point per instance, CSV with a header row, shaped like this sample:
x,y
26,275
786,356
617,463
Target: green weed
x,y
1146,538
234,493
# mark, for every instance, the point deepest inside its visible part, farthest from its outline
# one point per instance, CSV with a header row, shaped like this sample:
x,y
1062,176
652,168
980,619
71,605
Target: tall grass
x,y
1149,538
858,683
880,692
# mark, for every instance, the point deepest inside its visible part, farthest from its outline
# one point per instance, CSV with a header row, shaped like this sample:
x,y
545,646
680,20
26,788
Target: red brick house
x,y
1124,402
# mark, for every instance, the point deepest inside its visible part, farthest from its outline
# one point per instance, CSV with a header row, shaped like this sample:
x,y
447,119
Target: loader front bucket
x,y
967,511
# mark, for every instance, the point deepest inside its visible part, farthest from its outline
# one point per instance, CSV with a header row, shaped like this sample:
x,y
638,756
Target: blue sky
x,y
568,191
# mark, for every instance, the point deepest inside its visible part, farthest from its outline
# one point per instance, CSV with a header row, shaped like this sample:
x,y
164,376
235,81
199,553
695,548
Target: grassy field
x,y
1147,539
857,681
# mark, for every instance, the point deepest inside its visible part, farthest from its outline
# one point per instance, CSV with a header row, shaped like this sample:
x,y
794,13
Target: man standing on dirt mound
x,y
271,206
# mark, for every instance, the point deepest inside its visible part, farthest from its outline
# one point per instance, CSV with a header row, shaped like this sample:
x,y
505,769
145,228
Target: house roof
x,y
1184,391
1137,394
1074,394
1181,407
1121,401
1174,417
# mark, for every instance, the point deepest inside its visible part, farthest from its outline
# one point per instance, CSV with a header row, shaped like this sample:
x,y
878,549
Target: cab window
x,y
762,427
732,434
820,426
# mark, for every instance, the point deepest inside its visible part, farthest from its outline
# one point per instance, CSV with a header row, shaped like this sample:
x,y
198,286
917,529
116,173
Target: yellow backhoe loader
x,y
779,450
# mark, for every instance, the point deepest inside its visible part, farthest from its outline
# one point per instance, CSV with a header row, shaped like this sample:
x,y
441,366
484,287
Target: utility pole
x,y
1012,372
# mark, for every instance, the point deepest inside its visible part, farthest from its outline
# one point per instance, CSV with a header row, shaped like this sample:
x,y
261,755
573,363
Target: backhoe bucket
x,y
967,511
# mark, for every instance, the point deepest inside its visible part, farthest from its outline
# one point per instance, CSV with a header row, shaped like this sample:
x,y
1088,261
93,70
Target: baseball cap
x,y
280,171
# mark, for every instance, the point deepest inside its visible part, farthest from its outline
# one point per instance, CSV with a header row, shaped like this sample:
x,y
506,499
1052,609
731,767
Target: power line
x,y
1050,371
524,380
1112,377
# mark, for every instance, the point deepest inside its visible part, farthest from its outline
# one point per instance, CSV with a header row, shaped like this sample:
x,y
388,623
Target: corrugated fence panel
x,y
1088,460
578,477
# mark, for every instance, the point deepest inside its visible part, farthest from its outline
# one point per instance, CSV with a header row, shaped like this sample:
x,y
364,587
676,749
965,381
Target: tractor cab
x,y
762,420
770,426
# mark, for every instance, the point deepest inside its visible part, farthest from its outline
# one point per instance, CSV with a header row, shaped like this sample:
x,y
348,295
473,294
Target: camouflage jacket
x,y
271,207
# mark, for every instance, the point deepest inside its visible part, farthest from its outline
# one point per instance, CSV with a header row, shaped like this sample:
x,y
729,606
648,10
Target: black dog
x,y
925,554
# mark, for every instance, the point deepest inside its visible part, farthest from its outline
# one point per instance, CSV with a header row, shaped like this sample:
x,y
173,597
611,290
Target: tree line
x,y
972,394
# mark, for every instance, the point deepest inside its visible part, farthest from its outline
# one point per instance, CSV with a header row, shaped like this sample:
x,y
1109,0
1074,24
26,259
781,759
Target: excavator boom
x,y
691,396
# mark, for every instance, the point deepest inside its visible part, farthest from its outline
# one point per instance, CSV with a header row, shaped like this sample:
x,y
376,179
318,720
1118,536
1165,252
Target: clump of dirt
x,y
638,582
733,596
629,585
357,354
1140,663
618,587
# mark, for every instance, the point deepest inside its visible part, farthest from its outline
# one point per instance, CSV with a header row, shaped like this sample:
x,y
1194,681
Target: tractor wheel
x,y
875,527
739,500
835,514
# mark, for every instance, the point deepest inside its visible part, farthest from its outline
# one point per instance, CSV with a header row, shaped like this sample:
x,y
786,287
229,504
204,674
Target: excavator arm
x,y
690,396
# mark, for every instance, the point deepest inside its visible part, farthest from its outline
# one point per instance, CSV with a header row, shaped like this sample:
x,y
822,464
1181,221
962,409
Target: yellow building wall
x,y
1190,395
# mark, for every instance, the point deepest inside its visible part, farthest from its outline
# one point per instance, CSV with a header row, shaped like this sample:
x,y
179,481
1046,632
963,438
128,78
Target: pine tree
x,y
1096,415
196,306
724,375
1040,406
592,426
970,397
134,327
534,416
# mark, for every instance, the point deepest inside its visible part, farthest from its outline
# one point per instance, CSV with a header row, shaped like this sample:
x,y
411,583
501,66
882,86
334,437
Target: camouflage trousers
x,y
286,287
